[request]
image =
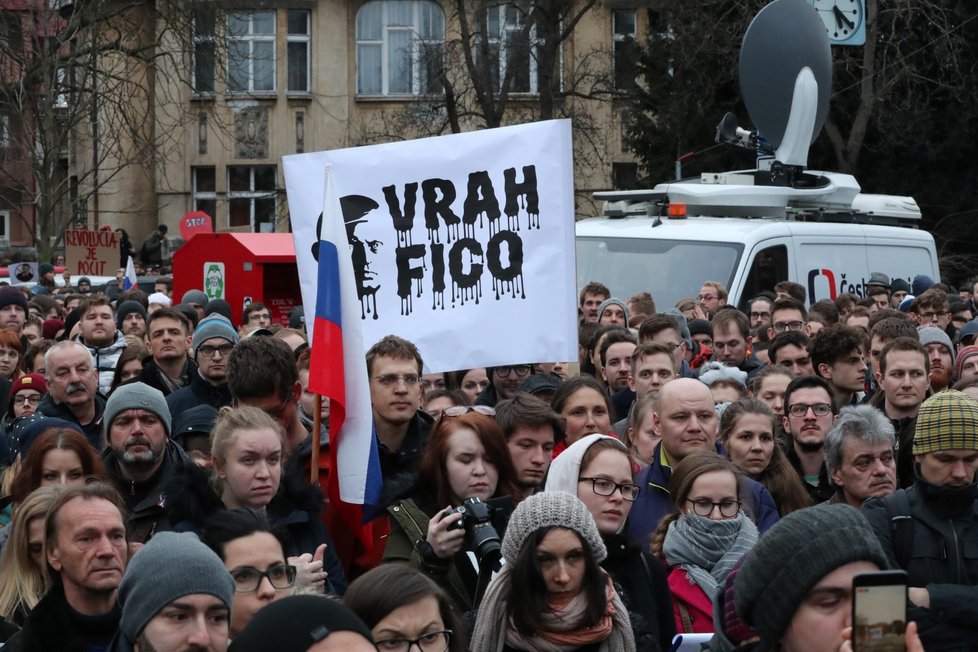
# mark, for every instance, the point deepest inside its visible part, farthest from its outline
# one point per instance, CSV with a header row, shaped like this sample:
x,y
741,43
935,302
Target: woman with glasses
x,y
748,431
704,539
552,594
598,470
25,396
255,558
405,611
465,457
586,409
247,472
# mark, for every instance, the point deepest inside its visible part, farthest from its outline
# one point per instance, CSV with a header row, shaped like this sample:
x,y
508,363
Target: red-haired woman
x,y
465,457
10,355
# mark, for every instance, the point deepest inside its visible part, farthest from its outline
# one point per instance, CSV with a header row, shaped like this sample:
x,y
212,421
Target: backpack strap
x,y
901,526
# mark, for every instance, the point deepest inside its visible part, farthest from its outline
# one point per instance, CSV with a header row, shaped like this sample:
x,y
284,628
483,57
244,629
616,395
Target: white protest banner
x,y
462,244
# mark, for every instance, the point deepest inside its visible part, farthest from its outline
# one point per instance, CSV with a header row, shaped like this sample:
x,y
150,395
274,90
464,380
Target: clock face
x,y
843,18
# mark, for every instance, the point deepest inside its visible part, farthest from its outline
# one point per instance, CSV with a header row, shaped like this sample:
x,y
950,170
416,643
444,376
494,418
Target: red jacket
x,y
698,605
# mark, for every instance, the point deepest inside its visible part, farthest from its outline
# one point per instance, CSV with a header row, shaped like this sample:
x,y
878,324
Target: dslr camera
x,y
480,533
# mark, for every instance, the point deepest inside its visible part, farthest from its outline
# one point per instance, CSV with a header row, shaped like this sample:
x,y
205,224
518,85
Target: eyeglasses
x,y
606,487
705,507
430,642
389,380
706,297
520,369
801,409
30,399
760,315
459,410
248,578
931,316
208,351
782,326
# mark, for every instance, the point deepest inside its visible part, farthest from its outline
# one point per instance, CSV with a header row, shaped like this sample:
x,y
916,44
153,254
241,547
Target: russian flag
x,y
129,280
338,371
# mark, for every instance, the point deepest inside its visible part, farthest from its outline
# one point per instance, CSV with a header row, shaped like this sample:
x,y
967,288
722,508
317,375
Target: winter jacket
x,y
904,429
641,582
152,376
819,493
93,430
177,498
52,625
687,595
106,358
942,557
198,392
653,502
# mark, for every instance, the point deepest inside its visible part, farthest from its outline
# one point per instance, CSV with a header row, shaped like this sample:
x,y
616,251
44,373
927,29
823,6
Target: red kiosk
x,y
240,268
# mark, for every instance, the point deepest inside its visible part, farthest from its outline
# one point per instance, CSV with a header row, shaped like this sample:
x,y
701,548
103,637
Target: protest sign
x,y
462,244
91,253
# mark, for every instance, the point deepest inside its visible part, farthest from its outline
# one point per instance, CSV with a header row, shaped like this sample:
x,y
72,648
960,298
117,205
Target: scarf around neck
x,y
708,550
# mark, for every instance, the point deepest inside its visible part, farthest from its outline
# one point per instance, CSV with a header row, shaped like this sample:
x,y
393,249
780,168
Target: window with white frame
x,y
400,47
205,189
512,45
204,24
252,197
624,32
251,51
298,49
5,227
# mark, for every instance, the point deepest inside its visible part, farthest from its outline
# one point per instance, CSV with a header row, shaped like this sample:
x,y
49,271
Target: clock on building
x,y
845,20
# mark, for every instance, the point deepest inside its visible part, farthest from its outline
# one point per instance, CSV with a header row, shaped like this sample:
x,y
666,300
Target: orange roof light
x,y
677,210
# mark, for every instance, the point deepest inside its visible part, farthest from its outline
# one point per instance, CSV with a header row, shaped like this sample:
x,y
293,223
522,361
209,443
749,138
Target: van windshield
x,y
669,269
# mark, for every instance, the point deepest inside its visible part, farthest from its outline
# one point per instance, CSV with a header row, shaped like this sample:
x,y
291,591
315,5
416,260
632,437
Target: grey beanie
x,y
616,302
213,326
551,509
136,396
127,308
793,556
194,296
170,566
935,335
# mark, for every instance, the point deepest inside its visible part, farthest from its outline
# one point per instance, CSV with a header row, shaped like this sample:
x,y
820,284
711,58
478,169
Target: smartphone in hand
x,y
879,611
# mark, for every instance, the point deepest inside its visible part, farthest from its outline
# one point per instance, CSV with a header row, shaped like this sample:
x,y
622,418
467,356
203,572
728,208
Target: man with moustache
x,y
147,467
72,384
859,455
809,412
687,420
931,528
940,353
86,551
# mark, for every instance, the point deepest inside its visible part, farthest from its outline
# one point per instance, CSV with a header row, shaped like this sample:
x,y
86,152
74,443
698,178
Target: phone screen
x,y
880,618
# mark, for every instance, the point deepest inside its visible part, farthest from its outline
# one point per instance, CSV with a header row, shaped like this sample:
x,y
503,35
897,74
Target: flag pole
x,y
316,440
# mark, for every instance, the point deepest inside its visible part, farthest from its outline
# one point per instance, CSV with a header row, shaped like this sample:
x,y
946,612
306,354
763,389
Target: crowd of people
x,y
705,470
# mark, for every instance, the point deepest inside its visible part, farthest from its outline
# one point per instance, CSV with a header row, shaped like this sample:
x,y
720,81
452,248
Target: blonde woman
x,y
22,564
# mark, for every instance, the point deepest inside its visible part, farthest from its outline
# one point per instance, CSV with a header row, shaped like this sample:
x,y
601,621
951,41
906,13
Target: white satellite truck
x,y
750,229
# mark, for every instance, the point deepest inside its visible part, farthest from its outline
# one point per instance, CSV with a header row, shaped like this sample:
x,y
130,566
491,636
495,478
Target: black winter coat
x,y
50,627
198,392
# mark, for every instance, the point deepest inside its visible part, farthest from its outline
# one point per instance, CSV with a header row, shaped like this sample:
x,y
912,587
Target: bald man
x,y
686,419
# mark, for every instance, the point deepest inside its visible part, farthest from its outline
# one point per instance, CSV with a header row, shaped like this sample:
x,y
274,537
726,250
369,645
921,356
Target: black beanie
x,y
793,556
12,295
127,308
296,623
221,307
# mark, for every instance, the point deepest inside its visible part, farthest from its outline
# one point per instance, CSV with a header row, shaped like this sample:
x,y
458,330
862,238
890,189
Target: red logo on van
x,y
829,276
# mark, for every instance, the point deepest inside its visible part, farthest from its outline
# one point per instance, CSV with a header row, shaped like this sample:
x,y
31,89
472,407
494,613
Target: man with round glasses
x,y
787,315
809,412
214,339
503,383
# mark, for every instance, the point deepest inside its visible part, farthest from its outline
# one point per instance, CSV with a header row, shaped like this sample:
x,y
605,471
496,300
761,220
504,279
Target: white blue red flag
x,y
338,371
129,280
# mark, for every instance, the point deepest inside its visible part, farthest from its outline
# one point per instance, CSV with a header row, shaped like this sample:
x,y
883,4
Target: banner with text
x,y
462,244
91,253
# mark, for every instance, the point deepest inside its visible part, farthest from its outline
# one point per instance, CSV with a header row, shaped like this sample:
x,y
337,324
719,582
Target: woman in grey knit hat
x,y
565,601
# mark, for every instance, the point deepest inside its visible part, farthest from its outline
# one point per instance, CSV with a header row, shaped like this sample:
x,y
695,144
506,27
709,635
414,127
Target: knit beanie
x,y
25,430
791,558
683,324
699,327
968,330
296,623
170,566
45,268
136,396
921,283
297,318
126,308
214,326
50,328
219,306
29,381
551,509
899,285
906,303
194,296
613,301
963,355
160,298
11,295
935,335
70,322
946,421
537,383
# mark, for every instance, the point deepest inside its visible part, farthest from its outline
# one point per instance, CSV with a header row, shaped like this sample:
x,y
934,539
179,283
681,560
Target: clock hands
x,y
841,19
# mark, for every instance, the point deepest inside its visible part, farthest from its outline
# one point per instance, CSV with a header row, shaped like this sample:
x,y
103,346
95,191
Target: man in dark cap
x,y
13,309
305,623
130,318
878,288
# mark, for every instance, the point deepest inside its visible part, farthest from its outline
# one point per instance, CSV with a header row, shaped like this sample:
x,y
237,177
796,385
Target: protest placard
x,y
91,253
462,244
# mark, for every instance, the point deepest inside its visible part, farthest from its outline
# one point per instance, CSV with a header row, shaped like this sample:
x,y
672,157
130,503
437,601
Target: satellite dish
x,y
784,39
